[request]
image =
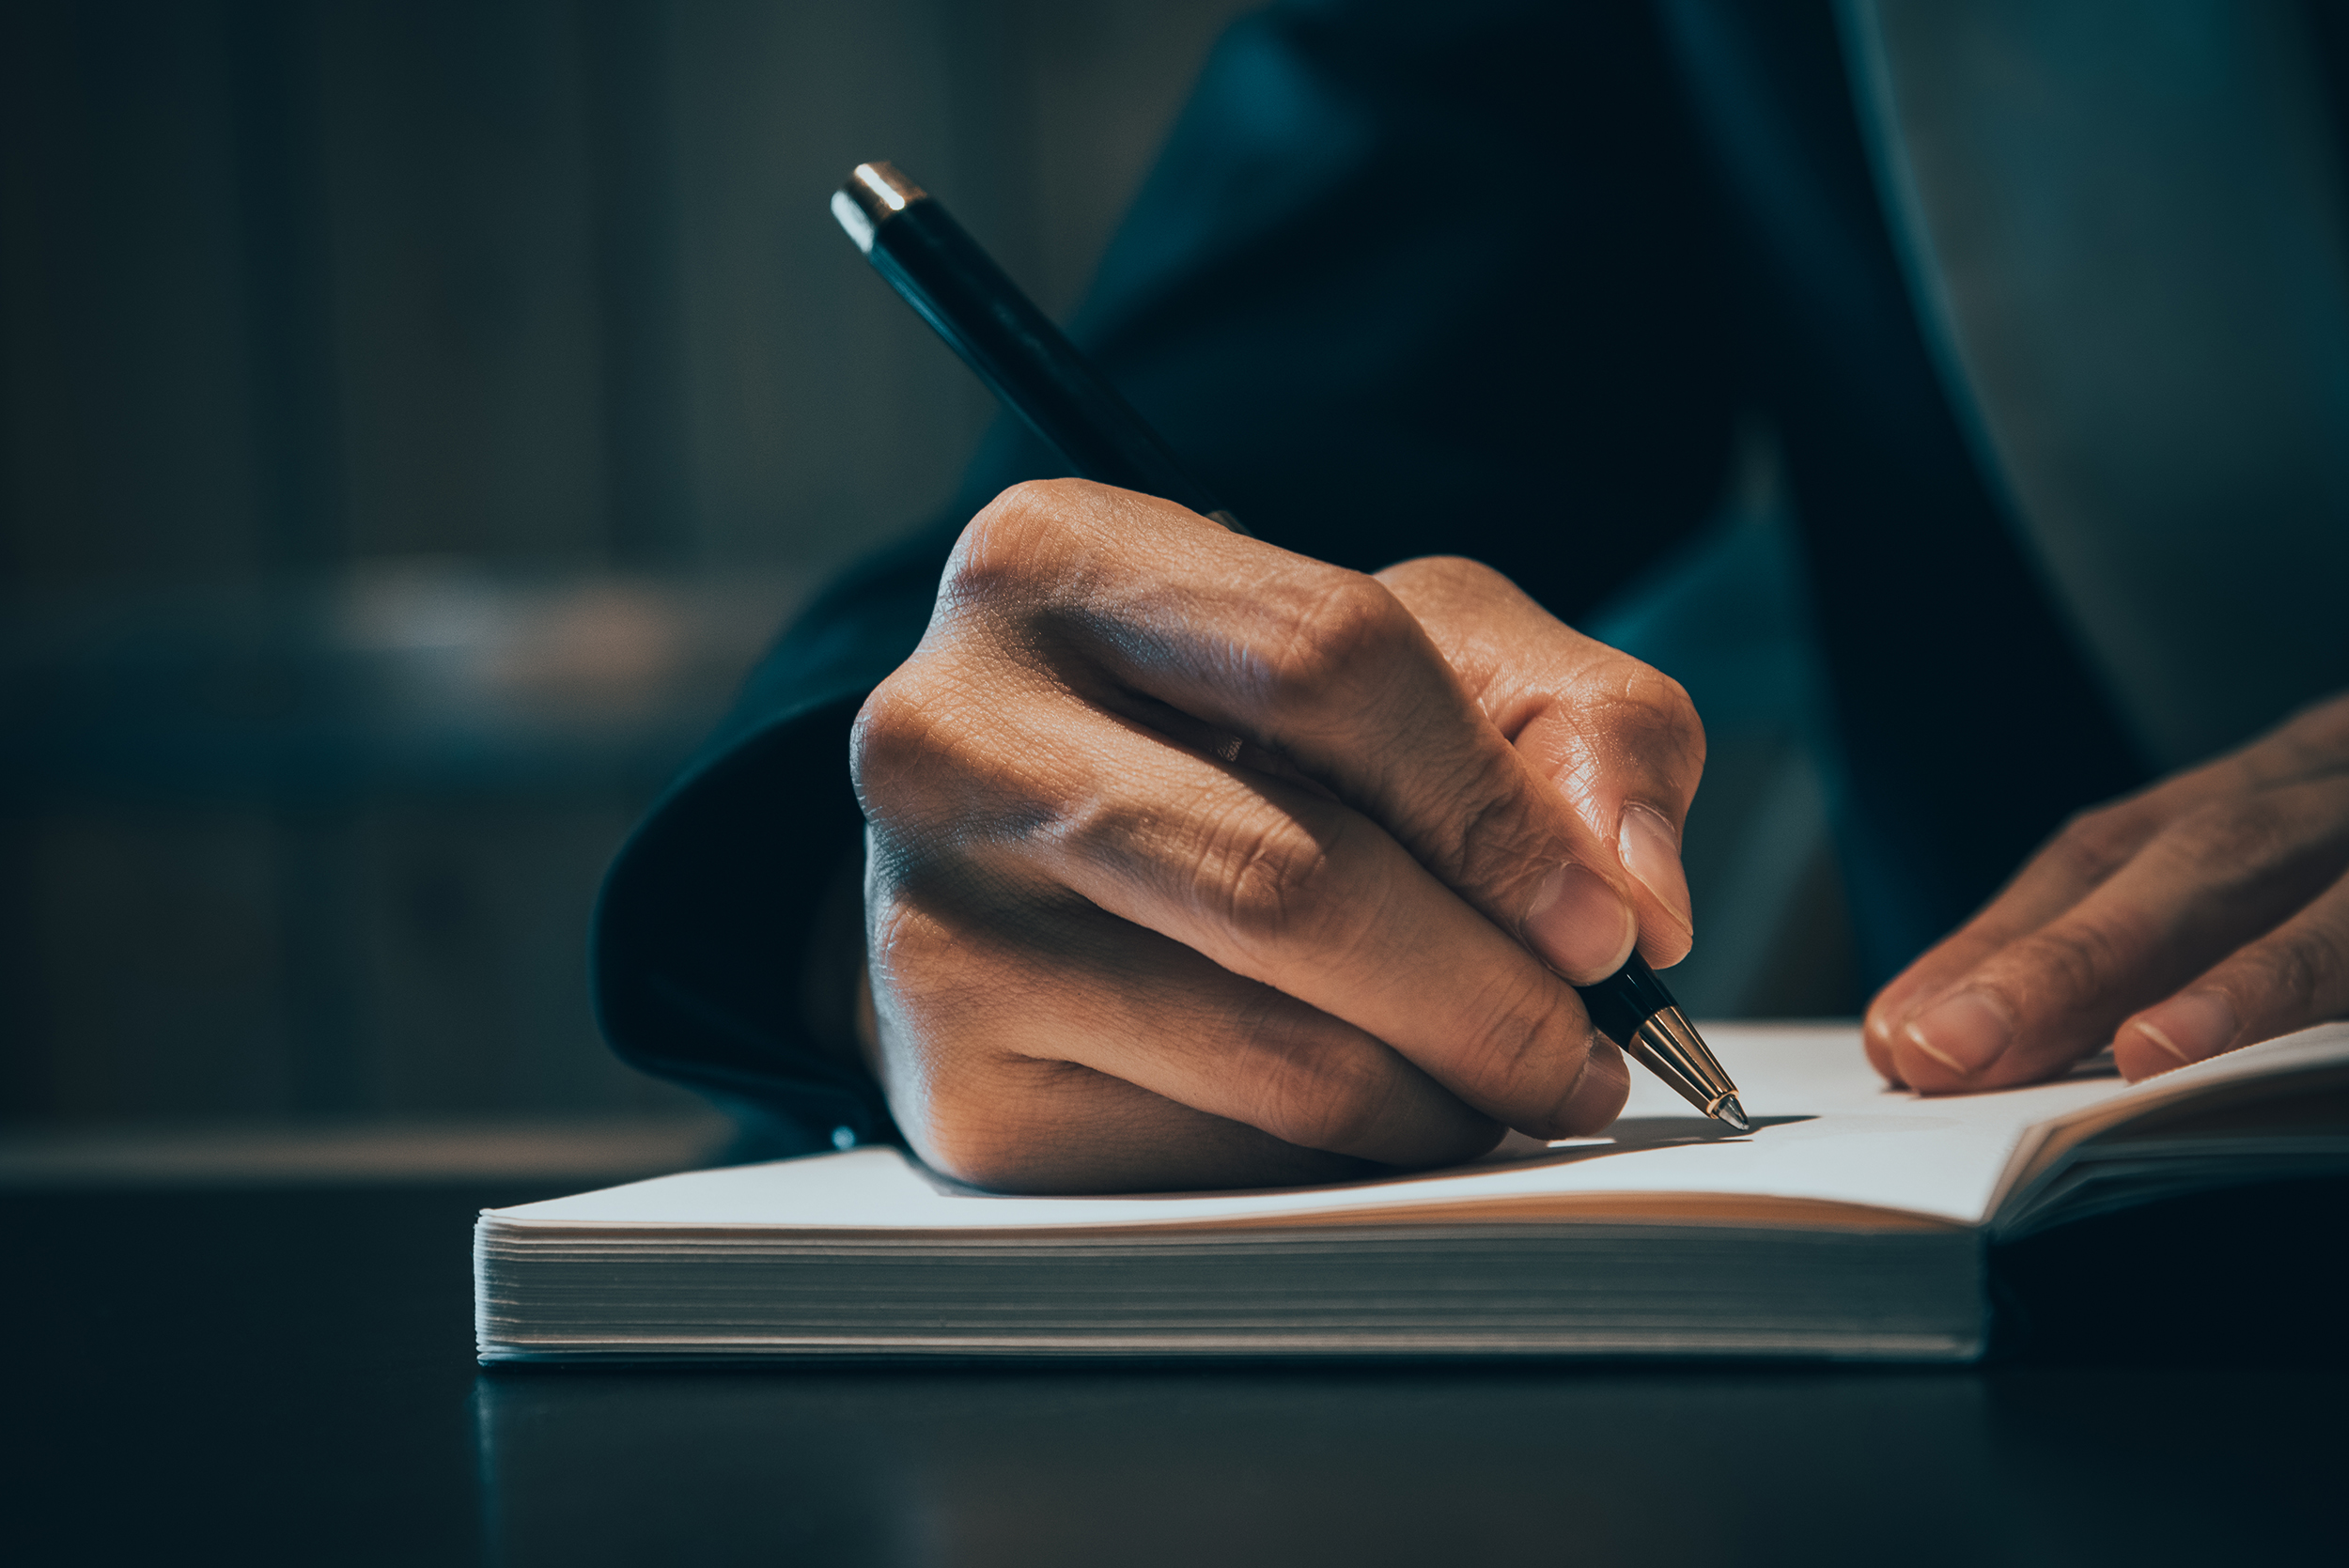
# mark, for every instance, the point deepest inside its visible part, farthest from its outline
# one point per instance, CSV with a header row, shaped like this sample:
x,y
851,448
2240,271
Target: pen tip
x,y
1734,1114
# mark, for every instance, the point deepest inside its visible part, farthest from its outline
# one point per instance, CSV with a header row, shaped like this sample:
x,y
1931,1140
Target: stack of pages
x,y
1852,1222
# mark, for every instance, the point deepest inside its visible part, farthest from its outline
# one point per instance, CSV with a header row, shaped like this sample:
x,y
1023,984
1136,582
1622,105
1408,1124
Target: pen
x,y
1037,373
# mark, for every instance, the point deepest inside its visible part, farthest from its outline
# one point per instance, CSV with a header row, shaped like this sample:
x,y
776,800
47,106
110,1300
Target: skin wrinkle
x,y
1020,539
996,980
1333,670
1165,623
2296,970
2096,845
928,747
2236,865
2312,743
1477,851
1508,1055
1114,837
909,1075
1364,923
1562,1124
1379,983
2053,883
2092,962
2122,948
1265,858
1638,732
1321,654
2307,832
2243,841
1100,1018
1483,632
917,751
1480,670
1298,1100
1127,846
1558,1118
1051,739
1284,696
1481,767
1581,782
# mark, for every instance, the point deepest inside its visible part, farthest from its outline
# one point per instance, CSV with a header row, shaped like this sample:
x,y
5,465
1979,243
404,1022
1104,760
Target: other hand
x,y
2207,912
1192,862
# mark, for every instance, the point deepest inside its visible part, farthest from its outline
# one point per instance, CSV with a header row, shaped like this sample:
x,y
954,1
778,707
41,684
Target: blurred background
x,y
418,418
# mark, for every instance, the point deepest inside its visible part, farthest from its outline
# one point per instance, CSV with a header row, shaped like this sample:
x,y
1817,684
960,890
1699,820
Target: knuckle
x,y
1016,538
937,759
2314,740
1519,1054
2301,972
2245,831
2094,844
898,942
1456,577
1339,631
1318,1098
889,730
1661,700
1274,880
2068,964
2297,973
1643,712
1463,569
901,731
1492,824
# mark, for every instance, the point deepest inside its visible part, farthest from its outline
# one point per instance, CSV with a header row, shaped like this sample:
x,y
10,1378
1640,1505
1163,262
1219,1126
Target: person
x,y
1084,845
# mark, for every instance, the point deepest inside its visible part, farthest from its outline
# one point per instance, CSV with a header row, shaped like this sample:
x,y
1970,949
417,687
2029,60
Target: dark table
x,y
265,1376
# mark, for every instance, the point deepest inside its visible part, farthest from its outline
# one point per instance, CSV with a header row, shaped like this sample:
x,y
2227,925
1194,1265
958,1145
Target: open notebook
x,y
1851,1222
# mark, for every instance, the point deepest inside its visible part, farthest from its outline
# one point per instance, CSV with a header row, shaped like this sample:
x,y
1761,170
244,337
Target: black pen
x,y
1037,373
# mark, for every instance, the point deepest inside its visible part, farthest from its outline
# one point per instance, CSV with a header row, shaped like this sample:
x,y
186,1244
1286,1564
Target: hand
x,y
2207,912
1195,862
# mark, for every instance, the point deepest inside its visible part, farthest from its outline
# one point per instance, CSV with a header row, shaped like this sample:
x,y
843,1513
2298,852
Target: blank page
x,y
1827,1130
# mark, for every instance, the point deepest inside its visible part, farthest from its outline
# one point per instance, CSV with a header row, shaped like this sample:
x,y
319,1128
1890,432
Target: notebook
x,y
1852,1222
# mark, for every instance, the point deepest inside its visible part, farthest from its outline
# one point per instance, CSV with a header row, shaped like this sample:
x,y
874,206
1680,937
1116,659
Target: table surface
x,y
287,1375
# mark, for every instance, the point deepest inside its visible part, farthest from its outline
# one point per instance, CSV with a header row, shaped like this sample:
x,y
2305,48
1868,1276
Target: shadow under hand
x,y
1628,1135
1647,1132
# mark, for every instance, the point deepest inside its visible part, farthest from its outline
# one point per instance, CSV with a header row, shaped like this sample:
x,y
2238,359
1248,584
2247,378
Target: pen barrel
x,y
1632,1008
1620,1003
1023,358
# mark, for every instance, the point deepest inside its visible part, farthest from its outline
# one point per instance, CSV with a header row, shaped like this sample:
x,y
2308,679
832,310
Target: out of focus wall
x,y
416,414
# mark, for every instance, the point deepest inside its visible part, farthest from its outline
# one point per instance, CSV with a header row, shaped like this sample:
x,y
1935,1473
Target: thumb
x,y
1619,739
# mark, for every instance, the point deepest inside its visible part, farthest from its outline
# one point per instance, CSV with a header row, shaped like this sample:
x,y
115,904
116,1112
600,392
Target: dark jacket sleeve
x,y
1408,279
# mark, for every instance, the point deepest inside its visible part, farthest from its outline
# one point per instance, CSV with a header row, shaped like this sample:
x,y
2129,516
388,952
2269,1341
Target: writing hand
x,y
2204,913
1192,862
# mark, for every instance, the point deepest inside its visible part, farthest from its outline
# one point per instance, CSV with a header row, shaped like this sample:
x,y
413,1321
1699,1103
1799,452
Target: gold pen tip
x,y
1734,1114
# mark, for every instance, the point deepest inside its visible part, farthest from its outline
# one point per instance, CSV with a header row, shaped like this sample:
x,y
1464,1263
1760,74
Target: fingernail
x,y
1651,852
1580,924
1964,1033
2192,1027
